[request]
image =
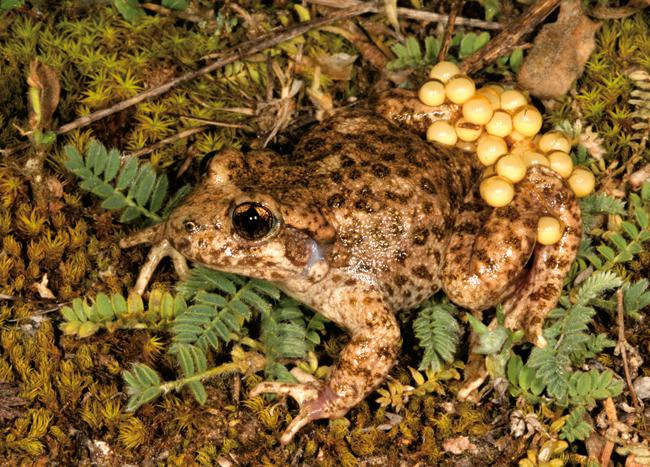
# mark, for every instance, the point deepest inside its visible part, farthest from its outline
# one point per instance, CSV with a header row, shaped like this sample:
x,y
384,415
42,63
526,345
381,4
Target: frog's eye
x,y
252,221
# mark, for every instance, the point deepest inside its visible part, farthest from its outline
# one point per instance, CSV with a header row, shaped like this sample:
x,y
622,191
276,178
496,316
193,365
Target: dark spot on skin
x,y
420,236
336,147
388,157
363,205
336,200
347,161
232,165
400,280
380,170
427,185
202,244
507,212
427,207
276,275
545,292
314,144
400,256
365,191
350,282
336,177
404,172
354,174
182,243
422,272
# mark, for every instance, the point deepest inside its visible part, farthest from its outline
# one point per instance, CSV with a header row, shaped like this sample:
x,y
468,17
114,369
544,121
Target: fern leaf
x,y
595,285
437,331
98,172
575,427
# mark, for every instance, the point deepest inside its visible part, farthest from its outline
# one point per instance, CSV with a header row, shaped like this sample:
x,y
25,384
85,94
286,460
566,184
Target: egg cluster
x,y
502,127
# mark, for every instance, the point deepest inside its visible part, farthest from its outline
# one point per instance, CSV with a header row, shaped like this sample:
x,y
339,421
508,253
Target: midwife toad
x,y
363,220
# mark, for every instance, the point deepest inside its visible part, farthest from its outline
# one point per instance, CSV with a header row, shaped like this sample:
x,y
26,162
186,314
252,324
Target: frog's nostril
x,y
190,227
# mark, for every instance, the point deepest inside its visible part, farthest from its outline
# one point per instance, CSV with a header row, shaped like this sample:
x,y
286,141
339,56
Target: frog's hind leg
x,y
486,259
363,364
542,285
487,256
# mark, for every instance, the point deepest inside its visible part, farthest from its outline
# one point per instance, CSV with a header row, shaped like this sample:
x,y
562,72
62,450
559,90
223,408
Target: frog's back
x,y
391,197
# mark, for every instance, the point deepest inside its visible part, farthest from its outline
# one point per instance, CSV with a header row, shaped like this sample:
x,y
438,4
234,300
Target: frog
x,y
364,219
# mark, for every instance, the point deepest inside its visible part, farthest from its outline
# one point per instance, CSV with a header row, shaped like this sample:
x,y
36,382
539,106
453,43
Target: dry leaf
x,y
459,445
42,289
44,93
559,54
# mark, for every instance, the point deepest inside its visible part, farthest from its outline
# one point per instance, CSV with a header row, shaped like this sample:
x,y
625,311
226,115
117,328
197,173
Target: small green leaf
x,y
112,165
104,307
96,156
175,4
516,59
144,184
87,329
129,9
10,4
159,193
198,391
74,160
127,174
129,214
114,202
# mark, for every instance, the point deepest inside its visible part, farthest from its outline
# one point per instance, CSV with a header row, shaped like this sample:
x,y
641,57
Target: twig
x,y
507,39
229,55
418,15
449,30
610,437
166,141
622,345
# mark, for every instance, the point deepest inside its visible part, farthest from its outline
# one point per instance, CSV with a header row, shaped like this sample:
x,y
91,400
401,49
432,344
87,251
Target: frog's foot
x,y
316,399
159,250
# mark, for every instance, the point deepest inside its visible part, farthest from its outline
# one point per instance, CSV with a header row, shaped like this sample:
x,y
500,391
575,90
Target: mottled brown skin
x,y
371,219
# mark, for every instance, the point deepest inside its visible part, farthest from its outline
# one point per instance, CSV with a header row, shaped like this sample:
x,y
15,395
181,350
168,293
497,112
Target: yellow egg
x,y
561,162
467,131
498,89
535,158
554,141
489,148
496,191
443,71
549,230
527,121
432,93
512,99
459,89
477,110
491,95
442,132
500,124
511,167
582,182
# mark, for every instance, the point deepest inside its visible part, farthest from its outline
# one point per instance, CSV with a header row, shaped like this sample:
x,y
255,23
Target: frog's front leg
x,y
160,248
486,257
363,363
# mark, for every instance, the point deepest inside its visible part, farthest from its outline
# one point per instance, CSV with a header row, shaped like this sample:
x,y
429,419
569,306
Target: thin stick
x,y
238,52
170,139
449,30
622,344
418,15
508,39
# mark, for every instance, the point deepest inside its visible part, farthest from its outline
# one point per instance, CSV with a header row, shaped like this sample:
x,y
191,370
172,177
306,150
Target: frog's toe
x,y
316,401
301,392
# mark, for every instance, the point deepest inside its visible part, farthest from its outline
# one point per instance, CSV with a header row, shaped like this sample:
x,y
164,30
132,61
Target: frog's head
x,y
230,223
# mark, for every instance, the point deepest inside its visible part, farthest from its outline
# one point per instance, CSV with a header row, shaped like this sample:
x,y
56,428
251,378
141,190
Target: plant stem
x,y
230,367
